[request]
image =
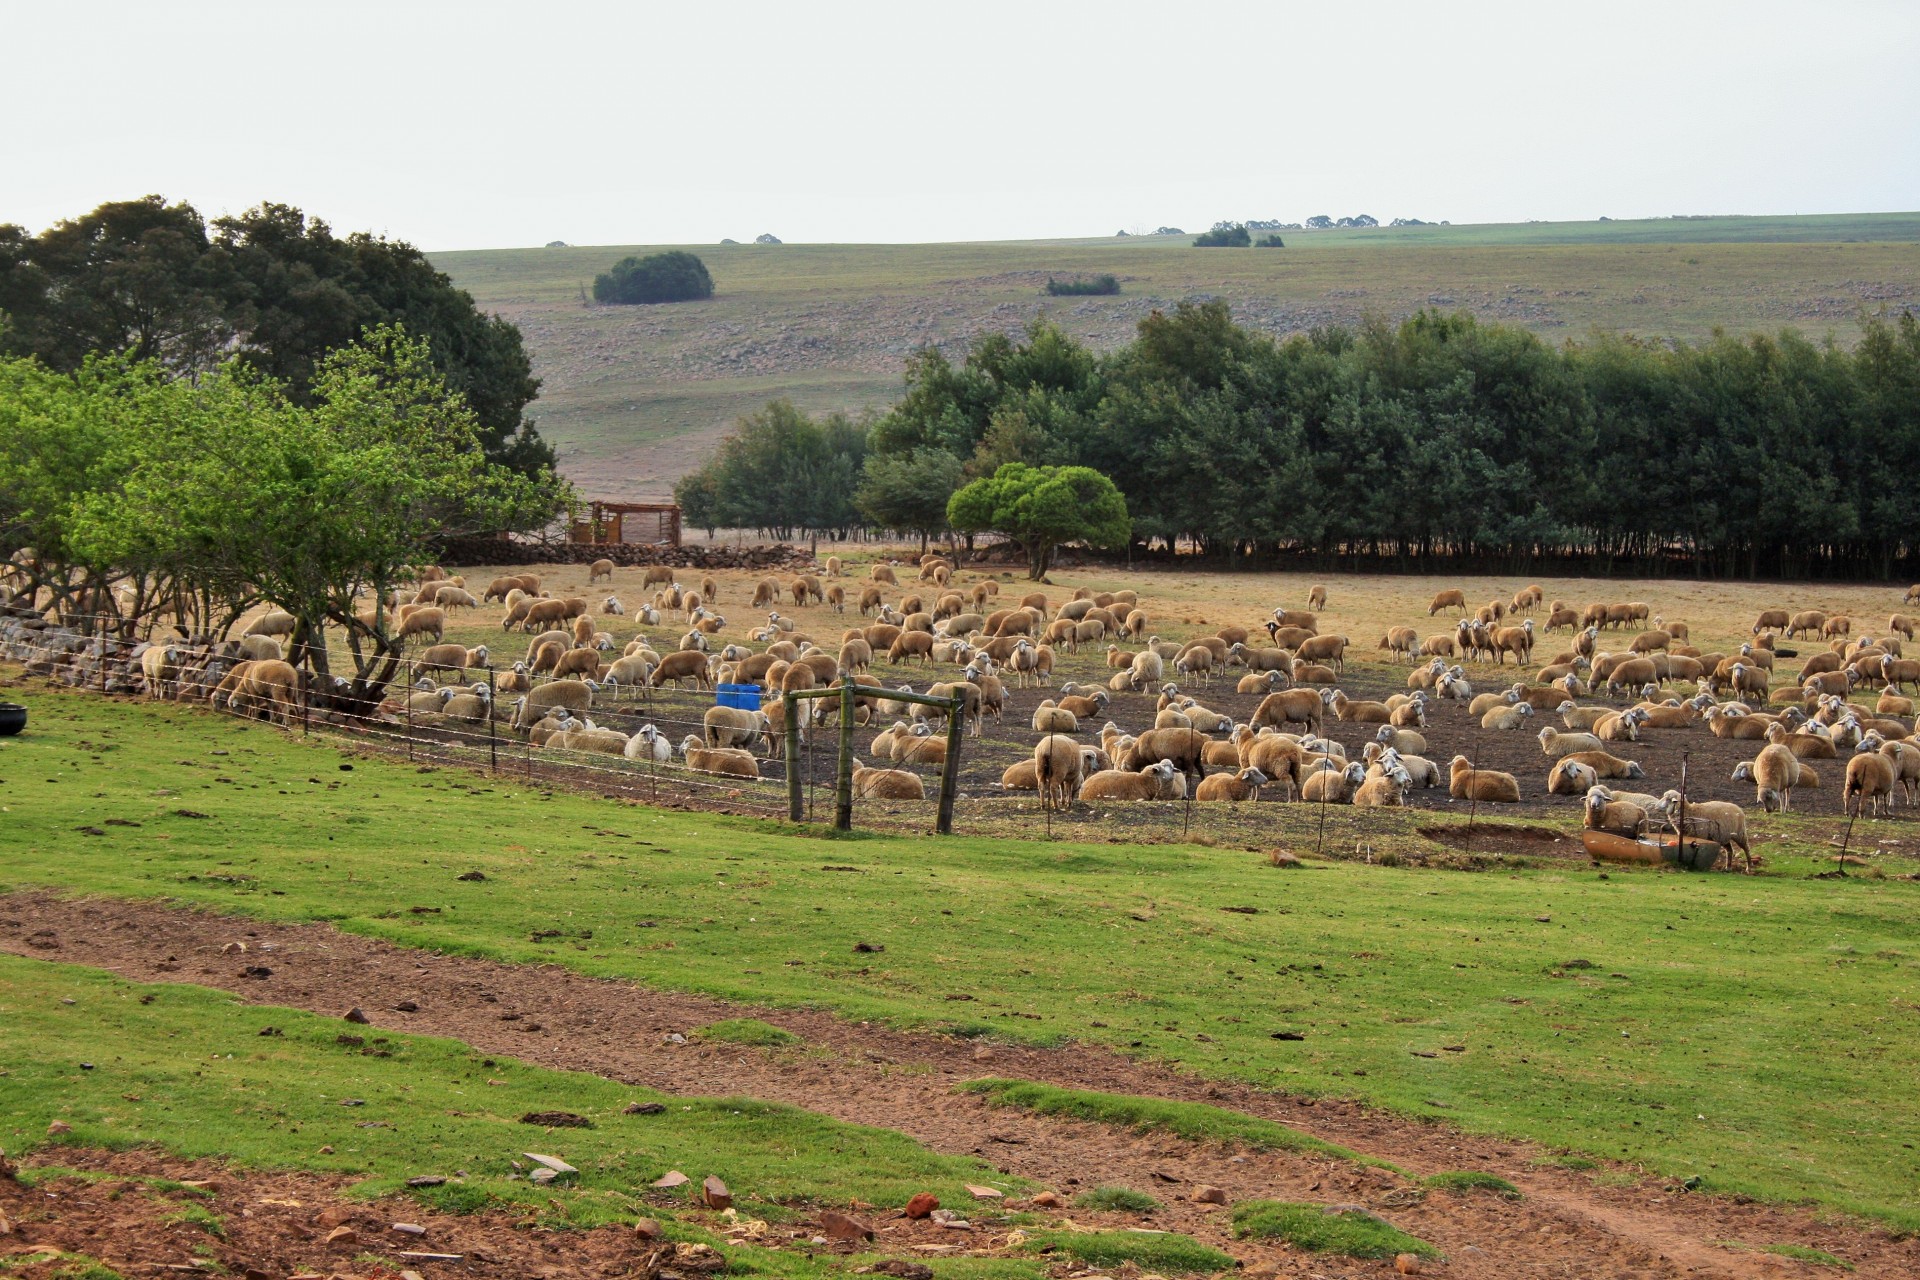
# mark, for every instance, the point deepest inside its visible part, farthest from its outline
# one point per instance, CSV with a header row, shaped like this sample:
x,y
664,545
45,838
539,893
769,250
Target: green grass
x,y
1194,1121
72,1266
1149,1251
1753,1032
195,1072
644,391
1802,1253
194,1215
1118,1199
1473,1180
1311,1227
748,1031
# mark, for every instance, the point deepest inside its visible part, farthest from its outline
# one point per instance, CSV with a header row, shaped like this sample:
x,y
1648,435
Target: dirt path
x,y
1569,1224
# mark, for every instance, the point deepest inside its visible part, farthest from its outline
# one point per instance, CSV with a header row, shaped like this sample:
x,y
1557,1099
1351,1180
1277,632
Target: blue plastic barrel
x,y
741,697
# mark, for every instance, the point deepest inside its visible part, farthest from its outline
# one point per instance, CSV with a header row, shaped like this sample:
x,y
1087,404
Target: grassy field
x,y
1756,1033
635,396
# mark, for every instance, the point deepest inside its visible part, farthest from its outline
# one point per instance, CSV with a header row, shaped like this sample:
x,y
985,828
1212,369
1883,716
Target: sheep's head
x,y
1743,772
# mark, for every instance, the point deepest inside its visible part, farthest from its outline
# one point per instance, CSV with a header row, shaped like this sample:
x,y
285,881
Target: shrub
x,y
1269,242
1232,235
1310,1227
749,1031
659,277
1124,1199
1076,286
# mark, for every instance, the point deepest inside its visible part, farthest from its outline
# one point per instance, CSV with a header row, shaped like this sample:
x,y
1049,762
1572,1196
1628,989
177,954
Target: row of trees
x,y
271,287
1436,441
129,492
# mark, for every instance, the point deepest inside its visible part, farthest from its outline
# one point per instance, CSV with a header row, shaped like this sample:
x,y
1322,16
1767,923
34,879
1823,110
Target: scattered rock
x,y
255,1273
556,1120
841,1227
332,1216
903,1269
643,1109
1544,919
1210,1195
714,1192
863,947
554,1163
472,875
58,1127
90,831
672,1178
981,1053
343,1236
921,1205
648,1229
406,1006
427,1180
1160,1175
408,1229
1048,1200
1407,1264
984,1193
950,1219
259,971
354,1015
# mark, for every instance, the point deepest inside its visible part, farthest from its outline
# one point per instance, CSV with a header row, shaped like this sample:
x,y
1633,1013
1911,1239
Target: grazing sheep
x,y
1775,772
1771,620
423,622
886,784
1401,642
734,727
727,760
1448,600
1485,785
1317,599
1289,706
274,622
261,648
1870,781
682,664
573,695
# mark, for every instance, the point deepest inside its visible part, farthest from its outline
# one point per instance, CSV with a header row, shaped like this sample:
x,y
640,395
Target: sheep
x,y
1332,784
734,727
1515,640
1058,767
574,695
1506,717
1486,785
1051,718
1649,641
448,596
451,657
1454,599
1632,673
1146,669
1602,812
726,760
159,664
1606,764
682,664
1716,820
1383,788
1870,781
1346,709
1402,642
1289,706
1805,623
472,704
1570,778
1241,786
261,648
1775,772
1325,649
1405,741
1527,598
1156,781
886,784
647,743
1906,766
588,738
1555,744
1205,719
423,622
274,622
1187,749
1838,626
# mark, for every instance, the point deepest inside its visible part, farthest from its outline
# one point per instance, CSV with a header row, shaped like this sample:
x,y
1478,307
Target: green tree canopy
x,y
1041,508
660,277
780,472
909,492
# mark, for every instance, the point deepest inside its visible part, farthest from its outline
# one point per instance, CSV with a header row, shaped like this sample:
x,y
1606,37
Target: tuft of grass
x,y
1311,1227
196,1215
748,1031
66,1266
1804,1253
1151,1251
1473,1180
1122,1199
1194,1121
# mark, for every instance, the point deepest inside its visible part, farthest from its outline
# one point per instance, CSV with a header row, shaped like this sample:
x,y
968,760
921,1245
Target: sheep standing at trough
x,y
1716,820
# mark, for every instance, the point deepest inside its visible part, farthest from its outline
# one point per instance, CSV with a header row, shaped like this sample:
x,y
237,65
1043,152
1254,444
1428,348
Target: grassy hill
x,y
635,396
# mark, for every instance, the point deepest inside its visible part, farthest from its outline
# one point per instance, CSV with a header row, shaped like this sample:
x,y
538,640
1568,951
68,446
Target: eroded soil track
x,y
1568,1224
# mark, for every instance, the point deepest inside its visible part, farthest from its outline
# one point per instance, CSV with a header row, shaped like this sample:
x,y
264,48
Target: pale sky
x,y
476,125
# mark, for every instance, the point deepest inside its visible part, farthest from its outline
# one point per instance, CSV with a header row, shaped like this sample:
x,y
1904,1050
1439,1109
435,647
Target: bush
x,y
1119,1199
1233,235
1310,1227
659,277
766,237
1269,242
1076,286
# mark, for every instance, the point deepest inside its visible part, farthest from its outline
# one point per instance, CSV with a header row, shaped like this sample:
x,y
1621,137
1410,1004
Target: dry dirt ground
x,y
1569,1224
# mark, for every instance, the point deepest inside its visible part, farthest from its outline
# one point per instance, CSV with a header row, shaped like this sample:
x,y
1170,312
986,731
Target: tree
x,y
152,279
661,277
1226,235
909,491
780,471
1041,508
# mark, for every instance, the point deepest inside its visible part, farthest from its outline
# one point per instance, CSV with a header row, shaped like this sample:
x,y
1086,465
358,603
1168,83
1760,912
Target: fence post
x,y
493,746
950,769
407,669
795,799
843,769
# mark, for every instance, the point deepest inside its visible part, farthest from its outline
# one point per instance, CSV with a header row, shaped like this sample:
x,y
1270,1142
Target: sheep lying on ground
x,y
1488,786
727,760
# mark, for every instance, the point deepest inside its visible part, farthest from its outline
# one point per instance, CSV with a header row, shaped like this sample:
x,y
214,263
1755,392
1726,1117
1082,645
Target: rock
x,y
648,1229
984,1193
471,875
1210,1195
354,1015
1407,1264
981,1053
408,1229
343,1236
921,1205
333,1216
672,1178
841,1227
869,947
427,1180
714,1192
542,1176
58,1127
642,1109
554,1163
1048,1200
406,1006
255,1273
903,1269
411,1275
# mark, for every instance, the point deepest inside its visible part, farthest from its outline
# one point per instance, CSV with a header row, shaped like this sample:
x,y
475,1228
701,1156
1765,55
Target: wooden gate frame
x,y
847,691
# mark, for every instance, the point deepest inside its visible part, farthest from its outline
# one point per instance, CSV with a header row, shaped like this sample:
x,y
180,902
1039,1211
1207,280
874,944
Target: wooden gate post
x,y
843,770
950,771
795,806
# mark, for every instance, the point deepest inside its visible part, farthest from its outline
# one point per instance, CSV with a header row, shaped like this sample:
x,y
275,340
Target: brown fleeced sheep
x,y
886,784
1156,781
1240,786
723,760
1447,600
1716,820
1488,786
1870,781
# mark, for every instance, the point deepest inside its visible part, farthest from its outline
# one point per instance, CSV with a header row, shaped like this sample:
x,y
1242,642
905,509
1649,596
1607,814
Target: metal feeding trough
x,y
13,719
1690,853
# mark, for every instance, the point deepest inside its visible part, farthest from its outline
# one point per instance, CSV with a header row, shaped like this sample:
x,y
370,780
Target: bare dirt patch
x,y
1569,1224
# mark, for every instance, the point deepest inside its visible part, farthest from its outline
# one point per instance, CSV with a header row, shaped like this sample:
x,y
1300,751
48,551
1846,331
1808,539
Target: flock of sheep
x,y
573,667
